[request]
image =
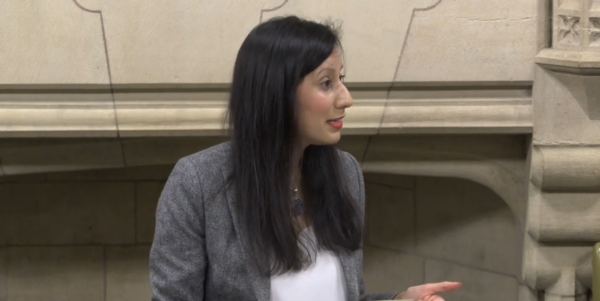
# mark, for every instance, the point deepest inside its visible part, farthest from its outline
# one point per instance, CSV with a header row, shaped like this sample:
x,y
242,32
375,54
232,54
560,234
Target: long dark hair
x,y
271,63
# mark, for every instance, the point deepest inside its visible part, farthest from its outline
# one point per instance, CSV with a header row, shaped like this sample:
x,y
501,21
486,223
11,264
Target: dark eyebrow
x,y
329,69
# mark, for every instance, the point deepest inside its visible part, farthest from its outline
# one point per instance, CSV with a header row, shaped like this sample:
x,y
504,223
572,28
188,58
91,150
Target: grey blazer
x,y
197,252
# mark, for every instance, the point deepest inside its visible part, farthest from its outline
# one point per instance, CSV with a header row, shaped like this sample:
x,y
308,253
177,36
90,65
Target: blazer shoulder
x,y
215,155
350,164
208,165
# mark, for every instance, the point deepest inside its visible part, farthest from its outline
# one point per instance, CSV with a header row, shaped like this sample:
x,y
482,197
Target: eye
x,y
326,84
342,78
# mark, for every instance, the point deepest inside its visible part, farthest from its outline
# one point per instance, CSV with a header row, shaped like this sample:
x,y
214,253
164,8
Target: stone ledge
x,y
570,61
165,111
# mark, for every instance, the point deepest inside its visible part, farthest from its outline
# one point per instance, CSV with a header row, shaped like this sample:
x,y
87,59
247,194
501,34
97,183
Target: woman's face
x,y
322,100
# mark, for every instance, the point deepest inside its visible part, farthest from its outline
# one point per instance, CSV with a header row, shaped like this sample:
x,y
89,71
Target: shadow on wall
x,y
427,229
87,234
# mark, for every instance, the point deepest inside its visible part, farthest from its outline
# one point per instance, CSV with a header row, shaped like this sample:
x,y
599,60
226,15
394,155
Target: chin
x,y
330,140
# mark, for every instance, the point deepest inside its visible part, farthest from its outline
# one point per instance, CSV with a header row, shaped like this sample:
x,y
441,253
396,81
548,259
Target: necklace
x,y
297,206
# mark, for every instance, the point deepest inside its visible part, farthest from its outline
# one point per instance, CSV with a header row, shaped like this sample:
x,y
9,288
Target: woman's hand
x,y
429,292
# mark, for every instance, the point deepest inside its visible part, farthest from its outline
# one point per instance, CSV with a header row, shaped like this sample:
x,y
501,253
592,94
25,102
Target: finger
x,y
437,298
433,298
442,287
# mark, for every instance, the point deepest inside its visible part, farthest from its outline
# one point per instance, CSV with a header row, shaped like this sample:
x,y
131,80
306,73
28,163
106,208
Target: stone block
x,y
194,111
3,274
151,42
462,221
69,213
566,109
127,274
66,156
56,111
138,173
147,195
477,284
354,145
394,180
55,273
26,178
390,217
460,41
386,271
163,151
64,46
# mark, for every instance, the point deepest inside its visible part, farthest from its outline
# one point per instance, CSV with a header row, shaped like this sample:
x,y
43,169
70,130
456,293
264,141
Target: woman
x,y
277,212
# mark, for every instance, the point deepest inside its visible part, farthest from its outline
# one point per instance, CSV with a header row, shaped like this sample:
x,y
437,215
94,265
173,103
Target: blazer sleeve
x,y
177,256
362,202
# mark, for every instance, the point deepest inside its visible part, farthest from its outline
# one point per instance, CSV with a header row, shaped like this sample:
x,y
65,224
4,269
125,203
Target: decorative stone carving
x,y
563,211
576,37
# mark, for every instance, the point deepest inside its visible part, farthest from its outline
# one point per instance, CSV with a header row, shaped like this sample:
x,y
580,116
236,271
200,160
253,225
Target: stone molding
x,y
566,168
198,110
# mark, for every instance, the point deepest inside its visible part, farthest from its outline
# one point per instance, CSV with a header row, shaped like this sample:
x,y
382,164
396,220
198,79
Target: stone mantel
x,y
164,110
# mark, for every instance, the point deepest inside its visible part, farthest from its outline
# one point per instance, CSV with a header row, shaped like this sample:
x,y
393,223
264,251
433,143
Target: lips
x,y
336,123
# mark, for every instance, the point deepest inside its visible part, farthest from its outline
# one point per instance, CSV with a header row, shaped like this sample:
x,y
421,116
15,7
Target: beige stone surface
x,y
27,178
200,111
390,271
182,113
63,46
477,284
457,118
376,31
38,112
139,173
465,222
169,112
567,168
3,274
147,195
497,162
563,194
463,41
55,273
390,217
526,293
60,156
563,116
559,268
182,41
566,217
394,180
354,145
170,43
568,60
164,150
70,213
459,108
127,274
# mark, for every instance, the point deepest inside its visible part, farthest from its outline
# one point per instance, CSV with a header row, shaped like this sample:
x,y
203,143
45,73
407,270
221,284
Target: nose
x,y
344,99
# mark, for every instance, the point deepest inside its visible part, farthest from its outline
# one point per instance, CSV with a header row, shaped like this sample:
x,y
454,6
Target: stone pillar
x,y
563,214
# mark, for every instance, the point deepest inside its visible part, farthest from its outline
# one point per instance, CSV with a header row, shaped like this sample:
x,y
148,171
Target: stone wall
x,y
86,235
78,236
501,93
429,229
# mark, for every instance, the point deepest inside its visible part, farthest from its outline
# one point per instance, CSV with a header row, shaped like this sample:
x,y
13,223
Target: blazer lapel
x,y
261,284
348,263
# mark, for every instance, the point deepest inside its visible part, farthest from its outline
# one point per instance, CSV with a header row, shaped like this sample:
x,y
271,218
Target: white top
x,y
323,280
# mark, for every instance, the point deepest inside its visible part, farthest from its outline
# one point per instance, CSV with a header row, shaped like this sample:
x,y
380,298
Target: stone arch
x,y
440,228
497,162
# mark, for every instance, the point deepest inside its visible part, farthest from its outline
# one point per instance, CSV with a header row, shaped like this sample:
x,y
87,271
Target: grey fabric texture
x,y
197,251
